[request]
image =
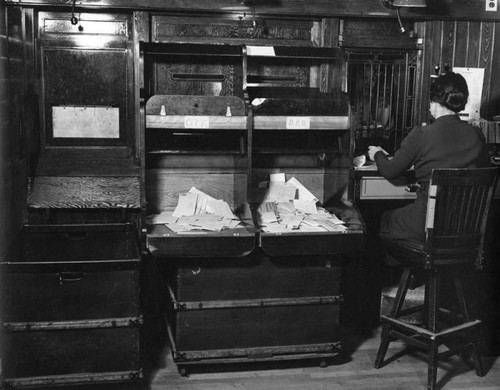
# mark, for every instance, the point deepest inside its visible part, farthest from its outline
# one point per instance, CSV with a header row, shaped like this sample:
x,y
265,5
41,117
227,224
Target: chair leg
x,y
432,365
384,345
432,286
433,299
385,337
404,283
471,334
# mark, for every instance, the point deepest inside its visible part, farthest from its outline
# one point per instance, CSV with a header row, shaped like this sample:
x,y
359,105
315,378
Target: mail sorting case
x,y
71,306
252,308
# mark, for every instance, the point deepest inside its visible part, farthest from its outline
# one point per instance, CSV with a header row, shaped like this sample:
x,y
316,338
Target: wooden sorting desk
x,y
273,298
225,118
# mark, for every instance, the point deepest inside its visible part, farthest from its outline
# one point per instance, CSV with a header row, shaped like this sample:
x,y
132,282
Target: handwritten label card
x,y
298,122
196,122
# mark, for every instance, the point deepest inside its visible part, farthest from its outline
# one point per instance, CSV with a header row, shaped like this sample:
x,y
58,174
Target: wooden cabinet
x,y
71,306
70,296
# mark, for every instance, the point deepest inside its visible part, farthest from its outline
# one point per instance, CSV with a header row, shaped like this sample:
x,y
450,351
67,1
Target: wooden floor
x,y
354,370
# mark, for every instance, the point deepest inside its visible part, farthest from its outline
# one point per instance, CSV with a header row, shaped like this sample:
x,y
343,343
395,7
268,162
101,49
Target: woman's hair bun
x,y
451,91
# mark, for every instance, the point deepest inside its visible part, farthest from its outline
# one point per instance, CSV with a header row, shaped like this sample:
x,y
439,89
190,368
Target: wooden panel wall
x,y
14,123
461,44
5,173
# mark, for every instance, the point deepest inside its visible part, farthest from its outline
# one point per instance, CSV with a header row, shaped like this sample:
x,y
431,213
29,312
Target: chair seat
x,y
407,252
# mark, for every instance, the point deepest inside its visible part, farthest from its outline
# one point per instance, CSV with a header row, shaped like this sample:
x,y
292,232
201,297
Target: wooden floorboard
x,y
354,371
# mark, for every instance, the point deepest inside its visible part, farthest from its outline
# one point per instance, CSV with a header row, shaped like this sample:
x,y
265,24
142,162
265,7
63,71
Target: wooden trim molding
x,y
435,10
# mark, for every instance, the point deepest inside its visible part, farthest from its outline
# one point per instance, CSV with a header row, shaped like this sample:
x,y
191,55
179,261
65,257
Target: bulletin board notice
x,y
474,78
85,122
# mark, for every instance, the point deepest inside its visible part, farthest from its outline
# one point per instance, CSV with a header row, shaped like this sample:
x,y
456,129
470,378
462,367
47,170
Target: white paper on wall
x,y
85,122
474,78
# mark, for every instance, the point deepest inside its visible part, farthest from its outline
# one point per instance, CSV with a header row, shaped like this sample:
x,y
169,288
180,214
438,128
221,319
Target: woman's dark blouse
x,y
449,142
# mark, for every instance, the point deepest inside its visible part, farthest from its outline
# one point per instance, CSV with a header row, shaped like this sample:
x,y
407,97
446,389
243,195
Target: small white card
x,y
196,122
298,122
267,51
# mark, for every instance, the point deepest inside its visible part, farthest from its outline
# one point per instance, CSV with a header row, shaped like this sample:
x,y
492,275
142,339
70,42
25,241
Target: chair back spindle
x,y
457,210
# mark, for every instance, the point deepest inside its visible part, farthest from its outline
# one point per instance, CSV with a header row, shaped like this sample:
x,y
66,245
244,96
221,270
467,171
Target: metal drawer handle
x,y
70,277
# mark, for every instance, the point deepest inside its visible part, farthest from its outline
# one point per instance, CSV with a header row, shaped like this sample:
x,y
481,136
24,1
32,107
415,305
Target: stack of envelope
x,y
197,211
290,207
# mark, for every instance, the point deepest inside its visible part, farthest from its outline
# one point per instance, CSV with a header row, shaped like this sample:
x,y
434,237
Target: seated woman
x,y
448,142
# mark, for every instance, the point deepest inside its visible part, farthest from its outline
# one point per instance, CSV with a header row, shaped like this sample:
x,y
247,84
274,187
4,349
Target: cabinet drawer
x,y
80,243
256,276
47,294
380,188
73,352
228,332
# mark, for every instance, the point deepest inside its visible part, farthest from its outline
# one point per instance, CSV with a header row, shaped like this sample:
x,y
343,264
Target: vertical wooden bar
x,y
474,44
461,44
140,31
448,44
486,60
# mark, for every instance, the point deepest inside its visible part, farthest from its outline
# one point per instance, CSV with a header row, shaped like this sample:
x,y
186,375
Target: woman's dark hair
x,y
450,90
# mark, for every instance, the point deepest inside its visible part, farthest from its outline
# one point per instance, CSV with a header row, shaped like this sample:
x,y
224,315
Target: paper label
x,y
298,122
196,122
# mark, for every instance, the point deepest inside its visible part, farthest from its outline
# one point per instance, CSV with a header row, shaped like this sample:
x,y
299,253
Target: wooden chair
x,y
457,209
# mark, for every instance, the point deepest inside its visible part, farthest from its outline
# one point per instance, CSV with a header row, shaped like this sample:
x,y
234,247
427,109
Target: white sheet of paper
x,y
266,213
233,223
278,177
295,222
305,206
284,208
194,190
310,221
210,222
201,205
219,207
304,193
325,215
474,78
186,204
178,228
275,228
164,217
280,192
85,122
331,226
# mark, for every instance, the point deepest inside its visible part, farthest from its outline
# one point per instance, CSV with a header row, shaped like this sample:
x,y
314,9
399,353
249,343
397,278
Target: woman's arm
x,y
404,157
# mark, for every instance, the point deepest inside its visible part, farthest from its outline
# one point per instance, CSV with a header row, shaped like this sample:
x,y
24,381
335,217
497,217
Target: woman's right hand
x,y
374,149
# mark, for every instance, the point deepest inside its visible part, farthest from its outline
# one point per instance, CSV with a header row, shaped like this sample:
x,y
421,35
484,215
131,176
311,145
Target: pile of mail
x,y
197,211
290,207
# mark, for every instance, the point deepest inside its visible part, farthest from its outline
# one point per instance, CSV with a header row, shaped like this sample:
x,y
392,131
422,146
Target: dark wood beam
x,y
436,9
